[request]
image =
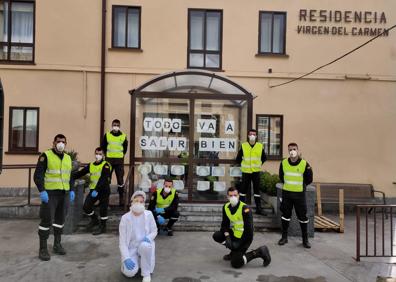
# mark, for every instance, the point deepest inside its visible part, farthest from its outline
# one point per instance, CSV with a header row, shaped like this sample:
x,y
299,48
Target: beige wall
x,y
344,127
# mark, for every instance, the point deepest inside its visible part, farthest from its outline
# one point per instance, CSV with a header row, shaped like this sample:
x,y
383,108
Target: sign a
x,y
217,144
161,143
206,125
229,127
162,124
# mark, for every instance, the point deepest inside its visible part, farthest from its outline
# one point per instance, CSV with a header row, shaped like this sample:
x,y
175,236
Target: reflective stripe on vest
x,y
251,161
115,148
236,219
164,203
95,171
293,176
57,175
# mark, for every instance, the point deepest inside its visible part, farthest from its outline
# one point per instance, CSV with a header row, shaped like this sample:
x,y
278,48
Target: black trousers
x,y
53,213
173,216
118,167
296,200
103,198
247,179
239,248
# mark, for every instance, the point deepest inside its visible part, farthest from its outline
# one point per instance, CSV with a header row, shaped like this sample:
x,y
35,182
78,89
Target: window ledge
x,y
22,153
3,62
137,50
272,55
207,69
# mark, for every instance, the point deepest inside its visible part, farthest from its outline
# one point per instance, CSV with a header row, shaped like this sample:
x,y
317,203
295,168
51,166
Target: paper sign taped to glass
x,y
217,144
162,143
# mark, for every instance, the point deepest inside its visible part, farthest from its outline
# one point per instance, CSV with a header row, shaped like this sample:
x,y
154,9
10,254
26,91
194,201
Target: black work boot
x,y
43,251
170,232
227,257
94,221
261,252
285,226
121,195
58,249
100,229
259,210
304,232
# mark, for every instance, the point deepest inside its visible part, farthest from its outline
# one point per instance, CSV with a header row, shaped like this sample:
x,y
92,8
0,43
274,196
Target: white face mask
x,y
293,153
252,138
60,146
233,200
98,157
167,190
137,208
116,128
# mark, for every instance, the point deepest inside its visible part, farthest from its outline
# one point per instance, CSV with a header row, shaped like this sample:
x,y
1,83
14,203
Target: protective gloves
x,y
44,196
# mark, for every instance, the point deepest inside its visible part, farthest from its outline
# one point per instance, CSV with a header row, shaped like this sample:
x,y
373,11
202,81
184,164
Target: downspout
x,y
102,71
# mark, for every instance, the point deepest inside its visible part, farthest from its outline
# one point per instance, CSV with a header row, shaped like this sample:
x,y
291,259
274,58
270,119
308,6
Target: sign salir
x,y
337,22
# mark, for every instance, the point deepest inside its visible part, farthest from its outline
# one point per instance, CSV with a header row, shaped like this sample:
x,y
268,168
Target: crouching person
x,y
99,190
236,232
163,204
137,233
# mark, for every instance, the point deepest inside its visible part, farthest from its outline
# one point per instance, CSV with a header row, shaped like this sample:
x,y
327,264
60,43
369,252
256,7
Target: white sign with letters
x,y
162,143
162,124
206,125
229,127
217,144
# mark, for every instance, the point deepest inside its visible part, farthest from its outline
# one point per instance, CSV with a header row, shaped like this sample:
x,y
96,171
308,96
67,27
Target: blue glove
x,y
146,239
129,264
94,193
44,196
159,210
72,196
161,220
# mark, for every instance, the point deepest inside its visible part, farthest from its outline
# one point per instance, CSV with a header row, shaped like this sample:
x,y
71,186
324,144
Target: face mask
x,y
137,208
167,190
60,146
116,128
293,153
252,137
234,200
98,157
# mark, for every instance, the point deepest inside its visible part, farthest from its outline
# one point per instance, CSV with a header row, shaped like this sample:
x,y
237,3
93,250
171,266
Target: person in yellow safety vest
x,y
236,232
115,146
55,184
251,156
99,190
295,173
163,204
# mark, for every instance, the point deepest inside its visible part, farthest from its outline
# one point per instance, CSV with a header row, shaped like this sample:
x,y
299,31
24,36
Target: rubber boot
x,y
285,227
94,222
259,210
58,249
261,252
227,257
121,195
304,232
100,229
43,251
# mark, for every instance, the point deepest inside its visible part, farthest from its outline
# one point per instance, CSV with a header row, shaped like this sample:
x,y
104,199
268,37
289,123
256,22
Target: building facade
x,y
65,70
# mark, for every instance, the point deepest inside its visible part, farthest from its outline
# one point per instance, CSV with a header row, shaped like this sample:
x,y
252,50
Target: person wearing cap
x,y
295,173
99,190
136,242
251,156
163,204
236,232
115,146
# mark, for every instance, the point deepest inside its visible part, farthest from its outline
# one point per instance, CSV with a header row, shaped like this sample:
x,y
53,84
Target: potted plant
x,y
268,188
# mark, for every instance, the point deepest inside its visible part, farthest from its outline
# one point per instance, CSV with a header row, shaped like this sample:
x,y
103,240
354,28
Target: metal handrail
x,y
384,210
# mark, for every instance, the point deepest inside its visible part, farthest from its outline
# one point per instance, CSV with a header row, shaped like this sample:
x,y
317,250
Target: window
x,y
272,33
204,38
17,31
126,27
270,133
23,135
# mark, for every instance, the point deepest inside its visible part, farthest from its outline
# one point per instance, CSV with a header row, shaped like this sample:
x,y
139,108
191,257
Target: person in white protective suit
x,y
137,233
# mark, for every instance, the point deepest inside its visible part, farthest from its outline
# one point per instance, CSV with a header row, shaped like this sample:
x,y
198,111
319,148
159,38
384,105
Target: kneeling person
x,y
236,232
163,204
99,190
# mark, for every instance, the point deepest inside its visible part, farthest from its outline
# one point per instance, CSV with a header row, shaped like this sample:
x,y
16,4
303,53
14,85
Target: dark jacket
x,y
173,206
103,185
308,174
247,235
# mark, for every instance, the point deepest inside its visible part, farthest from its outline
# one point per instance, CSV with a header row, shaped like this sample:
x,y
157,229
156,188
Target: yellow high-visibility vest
x,y
57,175
251,161
95,171
293,176
236,219
115,148
164,203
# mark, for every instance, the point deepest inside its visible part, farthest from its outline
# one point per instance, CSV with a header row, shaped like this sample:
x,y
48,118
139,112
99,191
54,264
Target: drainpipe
x,y
102,71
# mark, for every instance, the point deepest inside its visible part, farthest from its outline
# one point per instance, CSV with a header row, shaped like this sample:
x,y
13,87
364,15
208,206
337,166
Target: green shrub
x,y
268,183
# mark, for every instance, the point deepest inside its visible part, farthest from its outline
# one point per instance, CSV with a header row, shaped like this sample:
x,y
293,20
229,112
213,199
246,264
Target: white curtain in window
x,y
31,128
266,27
133,28
213,31
278,37
119,27
17,128
196,60
22,22
4,21
196,30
